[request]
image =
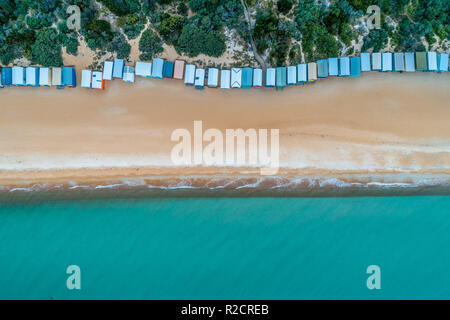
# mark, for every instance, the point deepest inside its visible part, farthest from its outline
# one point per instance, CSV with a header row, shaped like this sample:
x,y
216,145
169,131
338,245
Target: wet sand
x,y
387,128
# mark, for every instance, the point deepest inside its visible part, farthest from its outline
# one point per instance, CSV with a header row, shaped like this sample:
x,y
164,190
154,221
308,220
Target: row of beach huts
x,y
244,78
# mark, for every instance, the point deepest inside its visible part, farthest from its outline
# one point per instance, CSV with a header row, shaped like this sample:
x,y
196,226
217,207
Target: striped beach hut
x,y
421,61
236,77
333,66
128,74
199,78
213,77
281,77
270,77
355,66
432,61
45,77
97,80
291,75
376,61
399,61
189,75
302,73
365,62
322,68
119,64
247,78
157,68
178,70
312,72
257,78
6,77
32,76
168,69
108,67
344,67
410,65
18,76
225,79
442,62
69,77
143,69
57,77
86,79
386,59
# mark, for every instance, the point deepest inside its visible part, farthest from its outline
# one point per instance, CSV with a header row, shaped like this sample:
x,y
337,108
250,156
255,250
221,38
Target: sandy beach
x,y
379,128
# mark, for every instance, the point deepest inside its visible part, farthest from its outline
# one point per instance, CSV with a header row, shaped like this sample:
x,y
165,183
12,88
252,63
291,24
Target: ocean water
x,y
226,248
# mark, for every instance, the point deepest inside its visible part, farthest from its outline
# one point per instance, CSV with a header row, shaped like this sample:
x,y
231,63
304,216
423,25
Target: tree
x,y
194,41
46,50
120,45
284,6
170,28
150,45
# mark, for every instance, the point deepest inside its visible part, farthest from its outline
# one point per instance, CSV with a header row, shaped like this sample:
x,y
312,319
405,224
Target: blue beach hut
x,y
157,68
168,69
344,67
247,78
365,62
410,63
442,61
302,73
7,77
333,67
386,58
32,76
270,77
399,61
69,77
355,66
322,68
119,64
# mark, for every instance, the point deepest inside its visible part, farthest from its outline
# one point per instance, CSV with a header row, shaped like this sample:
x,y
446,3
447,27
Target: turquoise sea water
x,y
227,248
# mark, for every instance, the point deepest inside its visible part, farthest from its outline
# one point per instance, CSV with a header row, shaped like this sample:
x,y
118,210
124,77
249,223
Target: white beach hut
x,y
365,61
108,70
302,73
312,72
18,76
386,61
442,62
270,77
56,76
199,78
143,69
97,80
189,75
236,77
257,77
32,76
86,77
44,77
344,67
213,77
376,61
432,61
399,61
128,74
225,79
410,63
291,75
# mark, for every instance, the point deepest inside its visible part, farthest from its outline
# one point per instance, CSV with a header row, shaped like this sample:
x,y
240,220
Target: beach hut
x,y
69,77
143,69
257,78
442,62
312,72
119,64
355,66
399,61
376,61
57,77
236,77
168,69
291,75
333,66
213,77
157,68
1,83
32,76
432,61
18,76
281,77
86,77
44,77
322,68
199,78
365,61
108,67
189,75
386,59
344,67
225,79
178,72
247,78
97,80
128,74
270,77
421,61
302,73
6,77
410,62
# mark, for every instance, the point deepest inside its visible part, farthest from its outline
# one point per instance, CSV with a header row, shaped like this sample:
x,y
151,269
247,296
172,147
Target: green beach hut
x,y
247,78
281,77
421,61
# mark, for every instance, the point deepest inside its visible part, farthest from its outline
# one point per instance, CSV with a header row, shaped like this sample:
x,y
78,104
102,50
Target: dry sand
x,y
387,127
